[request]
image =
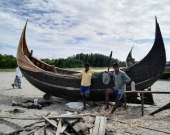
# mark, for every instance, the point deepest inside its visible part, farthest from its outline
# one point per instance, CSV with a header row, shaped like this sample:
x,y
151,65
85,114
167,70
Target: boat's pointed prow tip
x,y
132,46
155,18
26,22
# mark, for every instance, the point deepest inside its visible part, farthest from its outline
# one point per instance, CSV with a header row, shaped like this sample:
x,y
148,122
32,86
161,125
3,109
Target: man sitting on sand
x,y
17,81
86,75
120,79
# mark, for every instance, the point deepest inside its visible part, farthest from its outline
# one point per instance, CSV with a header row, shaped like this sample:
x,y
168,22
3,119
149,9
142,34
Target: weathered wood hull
x,y
64,84
131,61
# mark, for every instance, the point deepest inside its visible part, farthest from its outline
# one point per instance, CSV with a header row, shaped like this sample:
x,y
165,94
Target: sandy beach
x,y
131,115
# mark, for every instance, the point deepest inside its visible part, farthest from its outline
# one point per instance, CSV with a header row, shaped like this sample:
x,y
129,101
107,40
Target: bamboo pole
x,y
110,58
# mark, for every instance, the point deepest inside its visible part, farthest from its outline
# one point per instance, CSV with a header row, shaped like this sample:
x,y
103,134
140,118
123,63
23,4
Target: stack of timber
x,y
65,125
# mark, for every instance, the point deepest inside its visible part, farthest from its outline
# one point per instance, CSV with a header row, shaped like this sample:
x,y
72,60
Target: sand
x,y
131,115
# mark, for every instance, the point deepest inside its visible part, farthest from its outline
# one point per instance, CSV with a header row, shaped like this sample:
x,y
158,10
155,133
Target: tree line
x,y
75,61
78,60
7,61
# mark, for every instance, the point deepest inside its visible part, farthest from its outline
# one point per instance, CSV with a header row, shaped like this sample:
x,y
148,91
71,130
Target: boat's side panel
x,y
72,93
67,81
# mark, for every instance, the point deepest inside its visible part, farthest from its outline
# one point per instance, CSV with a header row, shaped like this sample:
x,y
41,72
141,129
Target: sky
x,y
62,28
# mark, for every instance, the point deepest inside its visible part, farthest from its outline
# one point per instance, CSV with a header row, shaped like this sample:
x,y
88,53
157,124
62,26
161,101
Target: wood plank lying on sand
x,y
80,128
50,121
102,127
77,129
59,128
96,126
99,126
39,118
83,126
71,121
63,128
65,132
91,131
167,106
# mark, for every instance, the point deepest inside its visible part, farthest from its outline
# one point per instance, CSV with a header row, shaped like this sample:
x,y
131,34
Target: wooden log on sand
x,y
167,106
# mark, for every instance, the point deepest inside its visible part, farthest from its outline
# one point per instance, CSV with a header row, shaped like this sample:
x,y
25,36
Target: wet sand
x,y
132,114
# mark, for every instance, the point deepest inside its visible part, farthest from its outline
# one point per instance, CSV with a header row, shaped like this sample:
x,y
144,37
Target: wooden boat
x,y
61,83
131,61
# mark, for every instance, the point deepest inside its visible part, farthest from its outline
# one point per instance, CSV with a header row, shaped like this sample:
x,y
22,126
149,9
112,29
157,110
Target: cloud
x,y
58,29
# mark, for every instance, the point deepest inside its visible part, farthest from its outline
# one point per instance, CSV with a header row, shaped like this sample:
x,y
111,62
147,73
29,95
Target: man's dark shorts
x,y
118,96
84,89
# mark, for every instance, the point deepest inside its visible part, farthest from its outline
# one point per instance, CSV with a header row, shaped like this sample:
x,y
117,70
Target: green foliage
x,y
48,61
97,60
75,61
7,61
64,63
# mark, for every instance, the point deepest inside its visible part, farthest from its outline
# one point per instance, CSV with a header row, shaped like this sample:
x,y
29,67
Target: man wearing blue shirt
x,y
120,79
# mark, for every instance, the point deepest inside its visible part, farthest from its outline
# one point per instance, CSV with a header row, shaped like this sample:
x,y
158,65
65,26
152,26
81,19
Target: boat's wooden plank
x,y
80,128
83,126
64,127
71,121
66,133
50,121
144,91
91,131
53,117
39,118
102,127
89,126
59,128
96,126
77,129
